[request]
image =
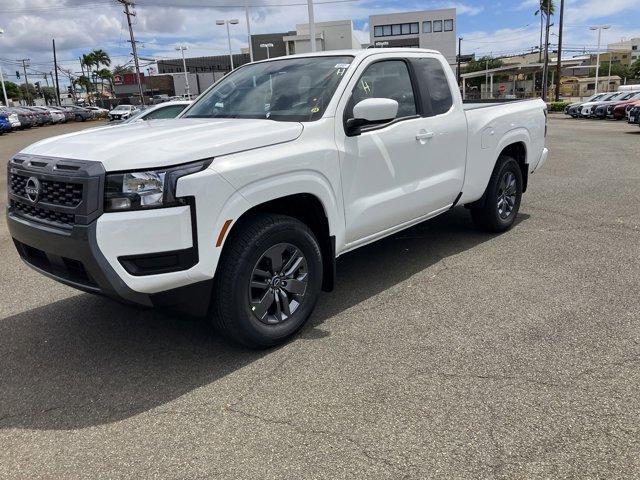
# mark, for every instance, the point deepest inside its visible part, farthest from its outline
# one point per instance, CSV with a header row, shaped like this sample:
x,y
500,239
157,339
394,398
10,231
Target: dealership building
x,y
434,29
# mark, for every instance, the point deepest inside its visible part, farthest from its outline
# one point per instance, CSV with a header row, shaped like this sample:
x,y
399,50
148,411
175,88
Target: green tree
x,y
544,7
618,69
49,95
13,90
121,69
634,69
478,65
105,74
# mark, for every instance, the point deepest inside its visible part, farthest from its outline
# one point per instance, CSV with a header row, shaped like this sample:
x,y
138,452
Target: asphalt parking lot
x,y
443,353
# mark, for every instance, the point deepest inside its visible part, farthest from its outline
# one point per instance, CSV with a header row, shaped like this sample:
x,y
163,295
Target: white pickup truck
x,y
239,208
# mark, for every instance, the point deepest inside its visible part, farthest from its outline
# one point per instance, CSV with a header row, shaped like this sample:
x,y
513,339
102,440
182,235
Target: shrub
x,y
557,106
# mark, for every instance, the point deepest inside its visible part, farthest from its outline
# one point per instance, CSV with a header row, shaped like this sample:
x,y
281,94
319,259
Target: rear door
x,y
444,123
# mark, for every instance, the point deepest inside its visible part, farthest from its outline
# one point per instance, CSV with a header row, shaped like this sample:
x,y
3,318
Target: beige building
x,y
631,47
336,35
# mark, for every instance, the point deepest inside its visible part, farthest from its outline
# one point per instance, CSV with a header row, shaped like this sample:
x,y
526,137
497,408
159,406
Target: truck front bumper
x,y
74,257
71,257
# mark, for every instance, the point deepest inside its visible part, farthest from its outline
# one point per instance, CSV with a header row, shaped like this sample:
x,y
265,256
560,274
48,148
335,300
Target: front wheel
x,y
268,280
502,199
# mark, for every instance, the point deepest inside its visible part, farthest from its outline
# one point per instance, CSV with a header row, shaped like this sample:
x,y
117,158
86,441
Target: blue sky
x,y
488,26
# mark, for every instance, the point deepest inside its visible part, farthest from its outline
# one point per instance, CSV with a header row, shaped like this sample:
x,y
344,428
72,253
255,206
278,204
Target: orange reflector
x,y
223,232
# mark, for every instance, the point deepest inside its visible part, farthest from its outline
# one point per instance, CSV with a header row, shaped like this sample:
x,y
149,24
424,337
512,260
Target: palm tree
x,y
545,6
88,61
85,83
105,74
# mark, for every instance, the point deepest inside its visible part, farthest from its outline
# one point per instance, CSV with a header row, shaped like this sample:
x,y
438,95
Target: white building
x,y
632,46
435,29
336,35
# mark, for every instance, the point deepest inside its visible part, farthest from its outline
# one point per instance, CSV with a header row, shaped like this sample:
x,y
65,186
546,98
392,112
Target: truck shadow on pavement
x,y
87,361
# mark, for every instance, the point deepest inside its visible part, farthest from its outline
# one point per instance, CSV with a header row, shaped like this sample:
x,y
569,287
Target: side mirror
x,y
371,110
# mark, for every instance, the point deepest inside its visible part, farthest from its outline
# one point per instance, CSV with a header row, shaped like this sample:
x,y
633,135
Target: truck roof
x,y
357,53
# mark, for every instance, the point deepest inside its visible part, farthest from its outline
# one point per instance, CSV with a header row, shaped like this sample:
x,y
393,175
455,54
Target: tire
x,y
245,272
499,210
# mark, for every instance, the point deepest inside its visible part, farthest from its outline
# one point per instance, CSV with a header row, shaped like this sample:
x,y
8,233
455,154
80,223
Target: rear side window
x,y
385,79
433,85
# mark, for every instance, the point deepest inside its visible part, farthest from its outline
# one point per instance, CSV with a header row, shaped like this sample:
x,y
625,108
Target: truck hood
x,y
160,143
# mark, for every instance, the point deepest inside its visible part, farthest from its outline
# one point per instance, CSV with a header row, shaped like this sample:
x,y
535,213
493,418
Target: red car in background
x,y
622,111
619,110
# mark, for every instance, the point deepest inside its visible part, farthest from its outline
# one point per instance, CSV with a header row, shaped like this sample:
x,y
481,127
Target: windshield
x,y
293,90
122,107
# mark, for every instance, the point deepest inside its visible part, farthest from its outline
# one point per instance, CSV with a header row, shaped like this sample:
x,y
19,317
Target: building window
x,y
426,27
396,29
634,47
448,25
437,25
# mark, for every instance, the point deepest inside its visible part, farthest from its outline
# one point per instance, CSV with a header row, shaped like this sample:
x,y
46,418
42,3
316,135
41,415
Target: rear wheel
x,y
268,280
502,199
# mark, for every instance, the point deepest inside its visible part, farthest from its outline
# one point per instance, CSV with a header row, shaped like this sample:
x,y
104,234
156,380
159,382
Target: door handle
x,y
422,135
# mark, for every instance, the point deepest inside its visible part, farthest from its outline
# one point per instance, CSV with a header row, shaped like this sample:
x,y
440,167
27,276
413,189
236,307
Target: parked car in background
x,y
56,115
12,117
160,98
618,110
589,109
26,117
98,112
122,112
42,117
572,108
5,124
81,114
68,116
634,114
162,110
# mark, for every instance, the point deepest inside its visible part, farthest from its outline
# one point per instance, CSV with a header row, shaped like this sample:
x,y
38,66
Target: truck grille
x,y
37,213
56,193
69,192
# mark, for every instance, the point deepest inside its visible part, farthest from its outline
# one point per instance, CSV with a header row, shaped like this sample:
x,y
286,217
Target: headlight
x,y
147,189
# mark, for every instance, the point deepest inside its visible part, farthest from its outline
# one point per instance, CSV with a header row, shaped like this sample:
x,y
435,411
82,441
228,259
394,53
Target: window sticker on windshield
x,y
341,65
315,110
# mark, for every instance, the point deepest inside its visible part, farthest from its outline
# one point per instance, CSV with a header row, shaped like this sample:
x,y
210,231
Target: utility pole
x,y
4,90
545,69
559,64
129,14
459,57
312,26
25,62
55,67
246,12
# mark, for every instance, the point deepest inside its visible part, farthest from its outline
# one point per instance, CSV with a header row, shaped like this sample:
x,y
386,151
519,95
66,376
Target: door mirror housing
x,y
371,110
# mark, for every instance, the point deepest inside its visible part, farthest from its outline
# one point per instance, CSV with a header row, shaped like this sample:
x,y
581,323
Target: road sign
x,y
503,88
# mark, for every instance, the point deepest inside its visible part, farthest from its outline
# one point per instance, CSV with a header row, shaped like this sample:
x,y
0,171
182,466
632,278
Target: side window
x,y
434,87
166,112
385,79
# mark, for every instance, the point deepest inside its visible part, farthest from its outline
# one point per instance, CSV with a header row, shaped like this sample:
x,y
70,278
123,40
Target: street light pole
x,y
312,26
599,28
4,91
246,12
267,46
234,21
182,48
